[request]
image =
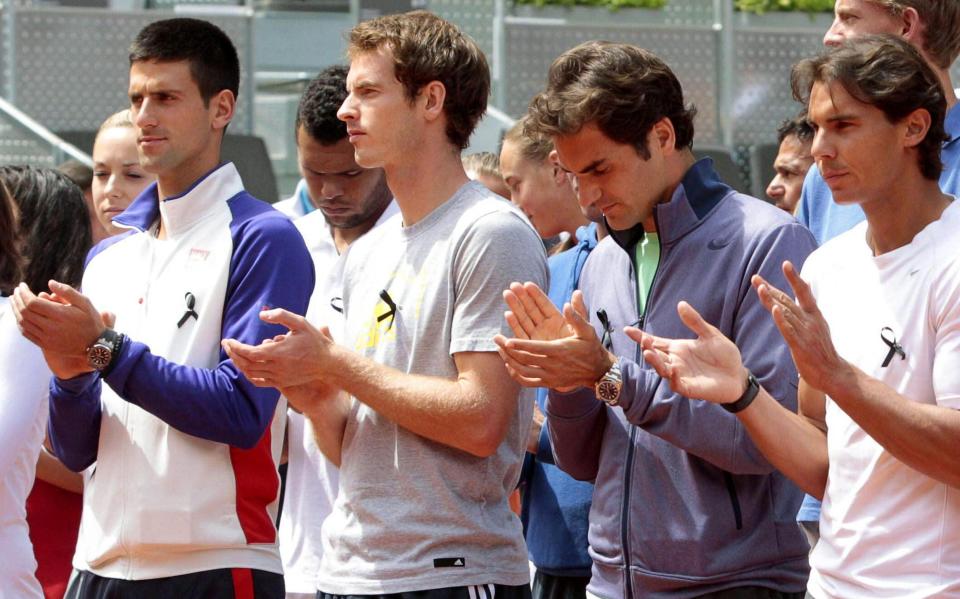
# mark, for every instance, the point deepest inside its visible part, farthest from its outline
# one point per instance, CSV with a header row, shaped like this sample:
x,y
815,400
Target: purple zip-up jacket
x,y
685,504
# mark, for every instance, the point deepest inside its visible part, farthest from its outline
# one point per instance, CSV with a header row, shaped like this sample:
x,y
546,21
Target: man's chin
x,y
341,222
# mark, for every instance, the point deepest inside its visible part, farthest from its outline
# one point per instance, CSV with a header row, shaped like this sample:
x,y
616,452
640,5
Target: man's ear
x,y
222,106
433,96
664,136
913,28
917,125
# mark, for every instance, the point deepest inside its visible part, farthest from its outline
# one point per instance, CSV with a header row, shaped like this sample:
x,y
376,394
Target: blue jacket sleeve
x,y
270,267
74,425
705,429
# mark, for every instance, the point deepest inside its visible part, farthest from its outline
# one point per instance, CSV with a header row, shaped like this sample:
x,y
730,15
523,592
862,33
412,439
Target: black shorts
x,y
235,583
483,591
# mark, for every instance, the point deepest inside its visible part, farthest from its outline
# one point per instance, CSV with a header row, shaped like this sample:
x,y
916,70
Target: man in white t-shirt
x,y
350,200
874,331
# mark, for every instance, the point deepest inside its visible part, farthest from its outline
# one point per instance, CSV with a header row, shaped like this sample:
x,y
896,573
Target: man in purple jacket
x,y
685,505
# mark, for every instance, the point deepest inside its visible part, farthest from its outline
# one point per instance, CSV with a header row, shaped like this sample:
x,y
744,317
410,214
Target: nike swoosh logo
x,y
914,271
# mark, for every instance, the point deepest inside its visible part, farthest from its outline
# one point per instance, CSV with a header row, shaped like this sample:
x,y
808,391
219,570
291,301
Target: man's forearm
x,y
328,424
791,443
922,436
465,413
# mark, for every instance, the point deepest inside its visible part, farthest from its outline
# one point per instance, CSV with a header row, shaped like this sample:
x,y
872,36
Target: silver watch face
x,y
98,356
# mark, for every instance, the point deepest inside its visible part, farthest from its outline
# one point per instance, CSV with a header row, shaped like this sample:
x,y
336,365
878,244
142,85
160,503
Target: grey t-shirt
x,y
409,509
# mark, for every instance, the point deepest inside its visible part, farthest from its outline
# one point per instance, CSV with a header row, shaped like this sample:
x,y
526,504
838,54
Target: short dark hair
x,y
317,112
213,59
54,226
426,48
797,126
624,89
886,72
9,250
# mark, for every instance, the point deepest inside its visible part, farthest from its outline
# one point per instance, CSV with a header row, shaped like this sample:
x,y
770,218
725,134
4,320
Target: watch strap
x,y
750,394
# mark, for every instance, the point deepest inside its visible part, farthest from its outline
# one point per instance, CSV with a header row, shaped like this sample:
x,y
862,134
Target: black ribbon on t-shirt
x,y
895,348
191,302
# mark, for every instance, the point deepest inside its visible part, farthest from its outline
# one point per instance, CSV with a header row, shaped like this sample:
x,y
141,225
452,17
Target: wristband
x,y
753,388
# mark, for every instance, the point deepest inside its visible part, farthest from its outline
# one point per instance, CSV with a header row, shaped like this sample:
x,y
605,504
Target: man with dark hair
x,y
677,512
792,162
414,404
931,26
348,195
183,495
874,332
350,201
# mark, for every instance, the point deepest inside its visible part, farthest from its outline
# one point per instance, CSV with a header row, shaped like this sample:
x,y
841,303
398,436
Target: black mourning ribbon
x,y
191,302
607,339
391,313
895,348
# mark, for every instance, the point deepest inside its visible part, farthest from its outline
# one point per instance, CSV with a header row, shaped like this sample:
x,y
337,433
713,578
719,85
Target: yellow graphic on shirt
x,y
406,290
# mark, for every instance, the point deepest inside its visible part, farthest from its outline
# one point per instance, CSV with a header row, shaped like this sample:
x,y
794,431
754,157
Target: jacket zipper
x,y
628,467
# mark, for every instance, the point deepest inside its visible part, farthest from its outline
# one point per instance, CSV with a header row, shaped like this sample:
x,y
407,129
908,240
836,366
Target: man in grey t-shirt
x,y
416,406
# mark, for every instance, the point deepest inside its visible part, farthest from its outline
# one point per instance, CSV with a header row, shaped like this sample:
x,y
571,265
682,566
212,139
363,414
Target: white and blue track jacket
x,y
185,448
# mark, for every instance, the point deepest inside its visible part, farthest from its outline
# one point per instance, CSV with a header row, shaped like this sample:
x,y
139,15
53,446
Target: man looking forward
x,y
350,201
874,331
184,493
414,404
931,27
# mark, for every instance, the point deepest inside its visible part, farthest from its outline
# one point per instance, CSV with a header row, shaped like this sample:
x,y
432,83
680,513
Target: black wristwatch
x,y
753,388
103,352
608,387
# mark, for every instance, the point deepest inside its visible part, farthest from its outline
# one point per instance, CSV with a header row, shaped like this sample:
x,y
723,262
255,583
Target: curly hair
x,y
624,89
886,72
426,48
54,226
317,111
798,126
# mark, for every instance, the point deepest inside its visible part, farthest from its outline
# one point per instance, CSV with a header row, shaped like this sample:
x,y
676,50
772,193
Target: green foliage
x,y
610,4
762,6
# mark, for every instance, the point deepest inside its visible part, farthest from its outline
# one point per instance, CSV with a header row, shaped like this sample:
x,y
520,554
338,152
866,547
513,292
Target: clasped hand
x,y
63,324
550,348
297,362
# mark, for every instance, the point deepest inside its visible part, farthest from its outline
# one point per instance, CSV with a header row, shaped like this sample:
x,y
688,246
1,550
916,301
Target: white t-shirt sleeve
x,y
24,380
946,361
